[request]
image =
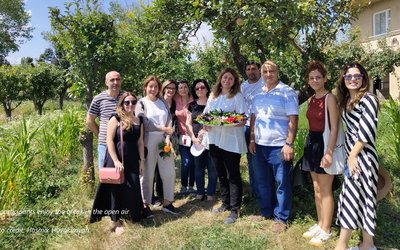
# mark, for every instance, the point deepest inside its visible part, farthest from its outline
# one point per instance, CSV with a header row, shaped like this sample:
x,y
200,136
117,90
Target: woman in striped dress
x,y
357,201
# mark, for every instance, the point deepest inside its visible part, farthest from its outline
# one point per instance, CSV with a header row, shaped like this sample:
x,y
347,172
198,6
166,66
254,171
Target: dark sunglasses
x,y
350,76
201,87
133,102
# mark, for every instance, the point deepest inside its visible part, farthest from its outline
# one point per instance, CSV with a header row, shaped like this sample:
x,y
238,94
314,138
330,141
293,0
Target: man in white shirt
x,y
249,88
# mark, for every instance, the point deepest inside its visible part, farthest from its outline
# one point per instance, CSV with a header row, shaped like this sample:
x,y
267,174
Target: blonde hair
x,y
124,118
269,63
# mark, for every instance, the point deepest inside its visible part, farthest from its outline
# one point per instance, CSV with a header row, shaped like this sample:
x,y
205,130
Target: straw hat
x,y
384,183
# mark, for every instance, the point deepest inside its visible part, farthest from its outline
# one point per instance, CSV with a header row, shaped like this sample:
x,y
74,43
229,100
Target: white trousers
x,y
166,168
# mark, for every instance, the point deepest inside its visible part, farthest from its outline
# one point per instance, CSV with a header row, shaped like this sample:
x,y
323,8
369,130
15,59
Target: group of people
x,y
267,137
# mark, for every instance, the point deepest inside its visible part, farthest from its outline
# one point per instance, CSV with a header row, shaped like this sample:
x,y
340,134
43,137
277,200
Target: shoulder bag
x,y
339,154
108,173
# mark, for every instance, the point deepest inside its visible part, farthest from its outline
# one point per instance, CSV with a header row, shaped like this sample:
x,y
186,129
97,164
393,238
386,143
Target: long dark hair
x,y
342,92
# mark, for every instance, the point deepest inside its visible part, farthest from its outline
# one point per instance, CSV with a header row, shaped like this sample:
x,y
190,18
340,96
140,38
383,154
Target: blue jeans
x,y
274,200
187,166
250,163
101,153
201,163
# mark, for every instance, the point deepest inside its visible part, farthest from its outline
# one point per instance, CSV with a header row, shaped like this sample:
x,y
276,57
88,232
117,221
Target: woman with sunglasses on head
x,y
182,99
157,121
200,92
122,201
357,201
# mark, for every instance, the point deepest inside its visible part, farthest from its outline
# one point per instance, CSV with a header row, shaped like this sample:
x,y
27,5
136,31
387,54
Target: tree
x,y
14,26
43,80
87,36
143,49
56,58
12,85
288,32
27,61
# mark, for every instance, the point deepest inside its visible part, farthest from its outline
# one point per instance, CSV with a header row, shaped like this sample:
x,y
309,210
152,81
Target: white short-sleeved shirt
x,y
157,112
271,110
249,90
228,138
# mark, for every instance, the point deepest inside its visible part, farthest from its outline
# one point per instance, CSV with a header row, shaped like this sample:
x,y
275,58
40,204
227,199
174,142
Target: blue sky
x,y
40,22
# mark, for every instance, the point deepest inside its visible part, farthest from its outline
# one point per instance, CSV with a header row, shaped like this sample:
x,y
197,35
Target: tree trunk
x,y
235,49
7,109
61,96
86,140
40,109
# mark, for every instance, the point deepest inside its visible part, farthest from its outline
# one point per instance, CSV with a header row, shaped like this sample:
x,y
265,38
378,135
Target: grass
x,y
195,228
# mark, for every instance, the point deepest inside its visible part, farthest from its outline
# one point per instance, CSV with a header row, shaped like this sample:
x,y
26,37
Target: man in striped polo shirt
x,y
103,106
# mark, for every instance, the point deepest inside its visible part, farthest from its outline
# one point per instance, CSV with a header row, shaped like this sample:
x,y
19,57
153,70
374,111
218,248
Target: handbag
x,y
108,173
185,140
297,174
339,154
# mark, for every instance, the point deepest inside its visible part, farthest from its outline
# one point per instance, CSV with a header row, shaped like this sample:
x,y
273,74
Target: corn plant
x,y
59,136
15,161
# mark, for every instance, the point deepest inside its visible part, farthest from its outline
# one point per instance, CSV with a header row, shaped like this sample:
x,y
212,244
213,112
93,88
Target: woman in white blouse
x,y
157,121
227,143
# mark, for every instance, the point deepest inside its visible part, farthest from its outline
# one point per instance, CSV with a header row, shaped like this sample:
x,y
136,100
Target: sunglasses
x,y
170,88
133,102
201,87
350,76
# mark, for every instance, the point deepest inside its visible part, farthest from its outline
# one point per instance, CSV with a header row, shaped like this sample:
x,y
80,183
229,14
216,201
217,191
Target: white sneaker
x,y
312,231
320,238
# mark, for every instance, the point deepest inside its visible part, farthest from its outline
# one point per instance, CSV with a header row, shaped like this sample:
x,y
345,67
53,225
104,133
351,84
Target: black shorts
x,y
313,153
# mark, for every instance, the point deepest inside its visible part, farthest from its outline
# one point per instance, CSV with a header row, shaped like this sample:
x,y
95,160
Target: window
x,y
381,22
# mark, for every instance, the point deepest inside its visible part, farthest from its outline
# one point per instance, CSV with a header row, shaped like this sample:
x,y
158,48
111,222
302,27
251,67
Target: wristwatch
x,y
289,144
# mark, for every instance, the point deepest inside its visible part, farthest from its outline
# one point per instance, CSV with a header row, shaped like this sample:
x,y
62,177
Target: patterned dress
x,y
357,201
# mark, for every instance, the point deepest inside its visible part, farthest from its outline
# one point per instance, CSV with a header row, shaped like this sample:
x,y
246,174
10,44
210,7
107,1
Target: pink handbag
x,y
108,173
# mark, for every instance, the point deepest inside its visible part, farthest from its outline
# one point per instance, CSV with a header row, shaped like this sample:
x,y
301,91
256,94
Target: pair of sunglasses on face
x,y
348,77
133,102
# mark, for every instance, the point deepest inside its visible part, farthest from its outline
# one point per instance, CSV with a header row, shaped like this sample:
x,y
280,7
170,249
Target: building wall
x,y
365,19
365,24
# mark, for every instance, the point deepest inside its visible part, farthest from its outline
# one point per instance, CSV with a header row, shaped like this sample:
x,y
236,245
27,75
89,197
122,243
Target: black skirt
x,y
313,153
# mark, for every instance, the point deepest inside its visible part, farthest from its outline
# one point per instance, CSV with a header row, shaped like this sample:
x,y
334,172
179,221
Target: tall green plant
x,y
392,109
15,163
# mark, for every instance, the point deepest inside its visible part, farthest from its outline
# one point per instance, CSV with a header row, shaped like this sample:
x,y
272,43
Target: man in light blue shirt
x,y
273,127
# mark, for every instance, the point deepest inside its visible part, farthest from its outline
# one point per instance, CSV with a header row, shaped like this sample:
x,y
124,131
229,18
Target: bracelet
x,y
252,141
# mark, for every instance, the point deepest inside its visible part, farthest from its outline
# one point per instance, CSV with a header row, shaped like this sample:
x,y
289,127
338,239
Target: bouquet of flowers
x,y
220,118
165,150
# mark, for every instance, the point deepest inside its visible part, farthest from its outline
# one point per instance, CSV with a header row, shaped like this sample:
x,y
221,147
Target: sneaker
x,y
147,213
220,209
320,238
232,217
191,190
183,190
312,231
170,209
278,226
357,248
